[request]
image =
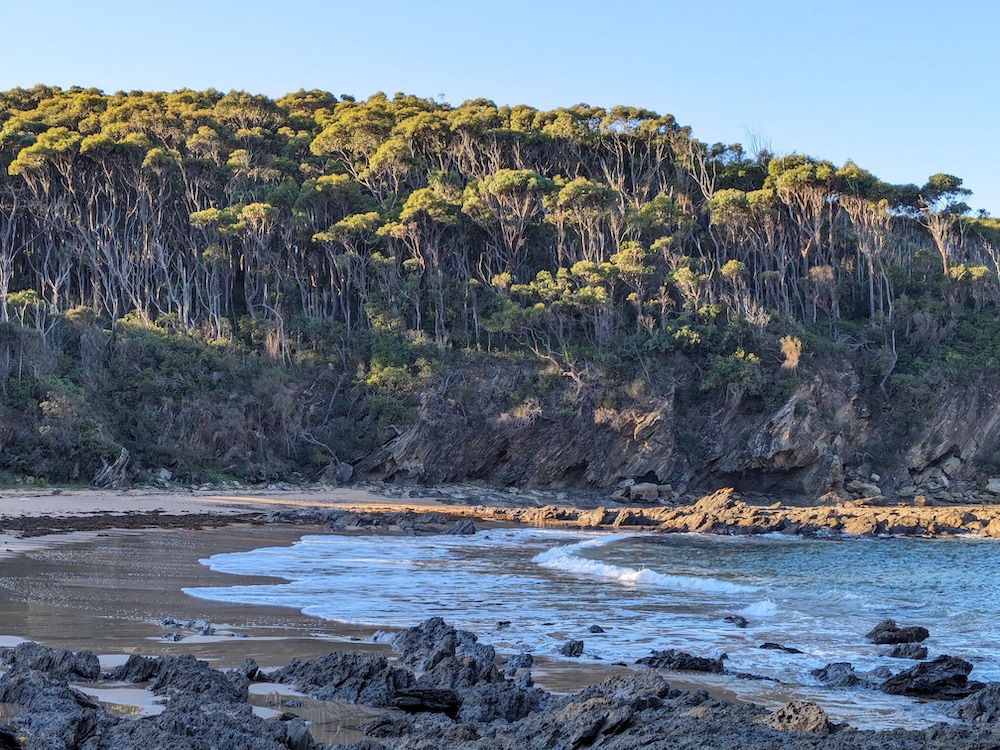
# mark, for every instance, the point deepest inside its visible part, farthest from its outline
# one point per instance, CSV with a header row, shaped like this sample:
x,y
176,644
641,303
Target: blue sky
x,y
906,89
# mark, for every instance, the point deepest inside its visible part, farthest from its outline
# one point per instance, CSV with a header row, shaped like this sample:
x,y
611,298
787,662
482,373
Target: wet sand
x,y
107,592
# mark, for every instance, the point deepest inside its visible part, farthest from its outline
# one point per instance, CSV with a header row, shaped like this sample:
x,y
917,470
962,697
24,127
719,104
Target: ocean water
x,y
656,592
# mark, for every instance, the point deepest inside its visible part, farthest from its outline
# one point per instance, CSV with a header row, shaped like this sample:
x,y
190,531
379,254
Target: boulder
x,y
58,663
595,629
423,646
992,529
738,620
944,678
951,466
115,475
799,716
907,651
186,676
778,647
54,715
862,488
993,485
982,706
681,661
644,492
367,679
465,527
136,669
572,649
248,670
519,661
843,674
837,674
888,632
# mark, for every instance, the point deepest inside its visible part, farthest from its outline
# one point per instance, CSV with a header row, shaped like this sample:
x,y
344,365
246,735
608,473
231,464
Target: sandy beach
x,y
116,567
101,570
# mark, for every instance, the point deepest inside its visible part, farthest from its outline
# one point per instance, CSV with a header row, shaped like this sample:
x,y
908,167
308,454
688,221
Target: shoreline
x,y
87,519
37,512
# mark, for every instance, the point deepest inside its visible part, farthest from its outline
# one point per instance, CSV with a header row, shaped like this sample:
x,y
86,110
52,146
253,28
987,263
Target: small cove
x,y
656,592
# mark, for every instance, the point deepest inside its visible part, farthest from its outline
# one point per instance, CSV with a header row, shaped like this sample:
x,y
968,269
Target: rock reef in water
x,y
457,700
726,512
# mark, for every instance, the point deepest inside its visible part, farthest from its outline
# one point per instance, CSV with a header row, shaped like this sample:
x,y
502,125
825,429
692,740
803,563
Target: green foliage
x,y
209,258
740,372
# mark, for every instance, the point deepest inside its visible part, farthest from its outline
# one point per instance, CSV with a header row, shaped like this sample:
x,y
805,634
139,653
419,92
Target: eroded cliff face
x,y
822,437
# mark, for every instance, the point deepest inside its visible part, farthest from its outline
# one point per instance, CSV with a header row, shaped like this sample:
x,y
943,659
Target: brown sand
x,y
108,590
73,502
107,593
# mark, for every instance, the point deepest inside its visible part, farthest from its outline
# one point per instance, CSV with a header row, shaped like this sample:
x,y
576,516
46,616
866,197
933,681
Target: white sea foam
x,y
765,608
647,592
567,558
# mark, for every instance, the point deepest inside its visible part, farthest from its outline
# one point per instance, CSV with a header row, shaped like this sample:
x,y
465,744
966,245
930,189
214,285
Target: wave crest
x,y
567,559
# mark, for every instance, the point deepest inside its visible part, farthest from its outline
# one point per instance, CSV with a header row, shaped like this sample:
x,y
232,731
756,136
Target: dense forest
x,y
232,286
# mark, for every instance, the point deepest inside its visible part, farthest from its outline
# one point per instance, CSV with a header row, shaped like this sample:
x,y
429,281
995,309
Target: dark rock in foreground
x,y
423,646
944,678
366,679
981,706
54,715
462,701
184,675
57,663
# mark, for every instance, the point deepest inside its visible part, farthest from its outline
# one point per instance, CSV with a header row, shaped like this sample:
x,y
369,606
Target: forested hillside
x,y
230,286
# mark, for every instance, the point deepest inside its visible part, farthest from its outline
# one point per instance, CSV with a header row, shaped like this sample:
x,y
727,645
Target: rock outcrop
x,y
659,444
681,661
461,702
366,679
888,632
981,706
57,663
944,678
727,512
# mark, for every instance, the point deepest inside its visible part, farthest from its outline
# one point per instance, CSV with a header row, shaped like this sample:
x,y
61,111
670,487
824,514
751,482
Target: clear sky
x,y
905,88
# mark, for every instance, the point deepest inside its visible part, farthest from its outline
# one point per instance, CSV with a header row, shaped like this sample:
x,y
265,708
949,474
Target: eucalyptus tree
x,y
426,223
11,241
349,245
635,153
588,219
505,205
862,200
353,134
941,202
